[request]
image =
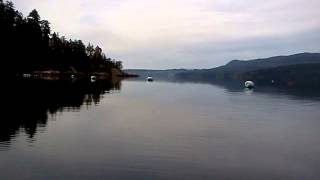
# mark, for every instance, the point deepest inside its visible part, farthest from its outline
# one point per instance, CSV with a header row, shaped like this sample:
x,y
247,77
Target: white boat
x,y
93,78
149,78
249,84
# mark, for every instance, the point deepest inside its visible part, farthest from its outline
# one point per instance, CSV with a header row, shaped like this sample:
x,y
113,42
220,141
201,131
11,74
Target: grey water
x,y
159,130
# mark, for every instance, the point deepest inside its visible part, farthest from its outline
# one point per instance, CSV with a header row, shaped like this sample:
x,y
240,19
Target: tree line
x,y
28,45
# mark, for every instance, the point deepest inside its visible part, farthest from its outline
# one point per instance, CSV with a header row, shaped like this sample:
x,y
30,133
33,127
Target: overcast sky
x,y
162,34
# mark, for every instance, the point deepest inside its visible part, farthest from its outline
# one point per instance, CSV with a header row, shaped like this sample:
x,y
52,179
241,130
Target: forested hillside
x,y
28,45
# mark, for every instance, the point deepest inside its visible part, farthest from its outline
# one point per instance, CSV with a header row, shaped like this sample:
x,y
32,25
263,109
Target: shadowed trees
x,y
30,102
27,45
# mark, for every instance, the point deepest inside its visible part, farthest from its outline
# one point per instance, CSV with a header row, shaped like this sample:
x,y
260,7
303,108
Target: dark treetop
x,y
27,45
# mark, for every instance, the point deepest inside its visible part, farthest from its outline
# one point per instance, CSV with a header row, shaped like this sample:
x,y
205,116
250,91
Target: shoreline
x,y
58,75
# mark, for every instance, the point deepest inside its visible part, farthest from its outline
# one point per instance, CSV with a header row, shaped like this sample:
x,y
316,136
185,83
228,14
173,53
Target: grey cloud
x,y
186,33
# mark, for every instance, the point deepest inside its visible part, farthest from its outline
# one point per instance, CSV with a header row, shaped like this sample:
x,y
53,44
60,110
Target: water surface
x,y
159,130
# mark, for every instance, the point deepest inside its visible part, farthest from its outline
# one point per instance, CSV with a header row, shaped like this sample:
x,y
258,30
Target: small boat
x,y
149,78
93,78
249,84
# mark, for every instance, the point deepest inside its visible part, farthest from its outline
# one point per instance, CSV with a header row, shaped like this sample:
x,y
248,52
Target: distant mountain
x,y
298,70
298,75
235,69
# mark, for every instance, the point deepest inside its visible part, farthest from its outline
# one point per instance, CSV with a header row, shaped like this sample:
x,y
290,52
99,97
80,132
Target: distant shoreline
x,y
56,75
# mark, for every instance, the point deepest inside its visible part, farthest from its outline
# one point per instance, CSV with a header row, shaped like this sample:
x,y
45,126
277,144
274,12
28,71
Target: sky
x,y
166,34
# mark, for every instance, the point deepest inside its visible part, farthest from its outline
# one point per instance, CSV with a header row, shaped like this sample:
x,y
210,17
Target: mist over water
x,y
158,130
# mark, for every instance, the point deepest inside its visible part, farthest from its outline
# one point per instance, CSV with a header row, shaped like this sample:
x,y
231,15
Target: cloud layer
x,y
186,33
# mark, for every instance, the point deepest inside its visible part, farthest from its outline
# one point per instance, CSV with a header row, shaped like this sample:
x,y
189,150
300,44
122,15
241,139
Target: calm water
x,y
160,130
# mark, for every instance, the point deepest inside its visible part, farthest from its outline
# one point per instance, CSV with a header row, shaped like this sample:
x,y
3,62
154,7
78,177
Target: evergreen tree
x,y
27,45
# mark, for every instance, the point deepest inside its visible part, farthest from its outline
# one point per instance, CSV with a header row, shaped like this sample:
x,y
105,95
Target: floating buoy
x,y
93,78
149,78
249,84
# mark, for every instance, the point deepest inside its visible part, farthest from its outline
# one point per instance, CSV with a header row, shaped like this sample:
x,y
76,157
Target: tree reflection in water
x,y
26,103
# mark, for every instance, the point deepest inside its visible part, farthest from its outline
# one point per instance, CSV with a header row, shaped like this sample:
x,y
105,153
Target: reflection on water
x,y
238,86
27,103
157,130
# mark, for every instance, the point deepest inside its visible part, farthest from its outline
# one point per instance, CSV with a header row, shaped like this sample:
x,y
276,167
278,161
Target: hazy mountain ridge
x,y
235,68
298,75
284,70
